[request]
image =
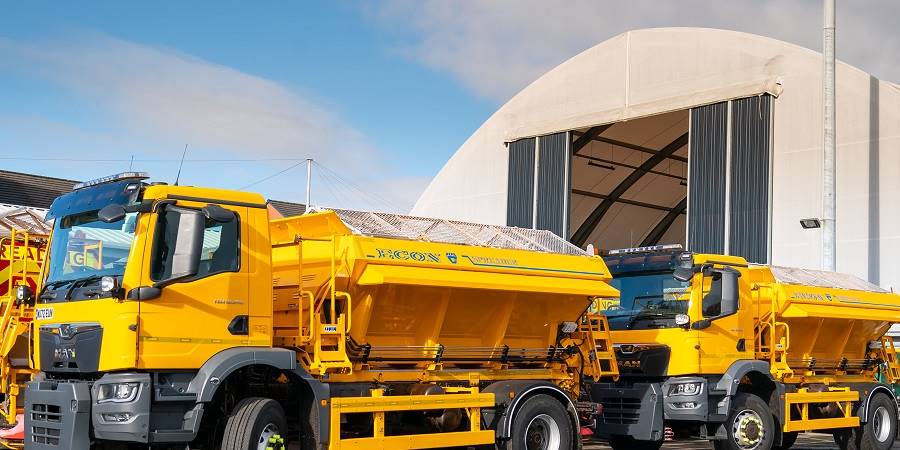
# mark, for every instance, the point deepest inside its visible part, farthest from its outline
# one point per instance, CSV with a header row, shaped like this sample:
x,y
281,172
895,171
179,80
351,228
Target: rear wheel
x,y
251,424
879,430
541,423
750,425
630,443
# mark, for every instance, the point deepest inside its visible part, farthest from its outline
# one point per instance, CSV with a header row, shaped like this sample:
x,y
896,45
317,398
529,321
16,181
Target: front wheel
x,y
541,423
251,424
750,425
879,430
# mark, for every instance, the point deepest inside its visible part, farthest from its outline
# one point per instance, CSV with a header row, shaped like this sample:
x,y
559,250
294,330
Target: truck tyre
x,y
879,431
252,422
541,423
630,443
787,440
750,425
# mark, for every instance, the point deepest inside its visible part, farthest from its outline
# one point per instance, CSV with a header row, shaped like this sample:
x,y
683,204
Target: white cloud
x,y
496,47
162,95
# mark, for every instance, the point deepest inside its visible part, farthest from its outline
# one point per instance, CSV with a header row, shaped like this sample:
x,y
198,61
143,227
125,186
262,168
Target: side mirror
x,y
111,213
218,214
187,248
731,294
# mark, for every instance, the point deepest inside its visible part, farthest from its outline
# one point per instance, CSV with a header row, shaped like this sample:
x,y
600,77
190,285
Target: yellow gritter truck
x,y
21,255
745,355
173,315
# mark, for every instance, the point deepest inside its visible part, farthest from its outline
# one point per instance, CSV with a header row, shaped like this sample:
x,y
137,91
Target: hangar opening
x,y
699,177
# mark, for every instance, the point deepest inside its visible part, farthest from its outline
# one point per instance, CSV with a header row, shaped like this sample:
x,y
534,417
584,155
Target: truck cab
x,y
115,321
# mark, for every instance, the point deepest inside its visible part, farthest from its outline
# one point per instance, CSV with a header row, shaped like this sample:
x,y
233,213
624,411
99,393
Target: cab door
x,y
199,314
727,335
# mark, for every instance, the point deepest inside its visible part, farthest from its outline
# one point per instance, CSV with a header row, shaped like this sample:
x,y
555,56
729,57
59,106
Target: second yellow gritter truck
x,y
746,355
173,316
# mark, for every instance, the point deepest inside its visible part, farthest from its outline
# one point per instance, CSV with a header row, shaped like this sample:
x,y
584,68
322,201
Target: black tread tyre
x,y
251,422
541,423
751,418
788,440
630,443
879,431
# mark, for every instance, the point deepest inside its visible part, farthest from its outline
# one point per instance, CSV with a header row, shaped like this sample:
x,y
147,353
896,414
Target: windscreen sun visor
x,y
124,193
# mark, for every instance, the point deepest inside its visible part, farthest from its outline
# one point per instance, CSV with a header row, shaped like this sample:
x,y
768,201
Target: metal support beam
x,y
664,224
829,236
623,200
592,133
629,166
584,231
633,147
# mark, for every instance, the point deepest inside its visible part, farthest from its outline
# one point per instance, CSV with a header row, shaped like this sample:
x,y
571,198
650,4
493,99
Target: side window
x,y
220,251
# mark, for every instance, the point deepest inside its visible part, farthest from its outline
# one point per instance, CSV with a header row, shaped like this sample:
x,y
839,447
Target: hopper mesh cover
x,y
820,278
400,226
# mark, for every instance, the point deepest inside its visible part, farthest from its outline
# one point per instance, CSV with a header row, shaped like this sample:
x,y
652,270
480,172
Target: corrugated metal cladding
x,y
520,184
553,174
706,184
749,197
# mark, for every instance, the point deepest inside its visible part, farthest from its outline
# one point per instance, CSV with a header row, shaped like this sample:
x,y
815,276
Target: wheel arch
x,y
732,377
863,410
510,395
216,371
763,385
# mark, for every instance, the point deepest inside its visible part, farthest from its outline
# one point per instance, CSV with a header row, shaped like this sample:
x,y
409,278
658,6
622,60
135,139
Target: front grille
x,y
42,418
621,410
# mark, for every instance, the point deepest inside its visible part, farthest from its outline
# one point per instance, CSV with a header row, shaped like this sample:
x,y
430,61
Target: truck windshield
x,y
648,300
83,247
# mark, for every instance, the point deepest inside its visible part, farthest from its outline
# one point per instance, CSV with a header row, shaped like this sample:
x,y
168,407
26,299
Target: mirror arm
x,y
701,324
143,293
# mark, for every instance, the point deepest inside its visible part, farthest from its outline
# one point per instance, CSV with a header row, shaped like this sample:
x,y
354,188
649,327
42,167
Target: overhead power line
x,y
69,159
273,175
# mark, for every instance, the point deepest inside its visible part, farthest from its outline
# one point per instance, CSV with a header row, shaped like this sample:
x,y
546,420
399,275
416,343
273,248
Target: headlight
x,y
117,392
692,388
107,284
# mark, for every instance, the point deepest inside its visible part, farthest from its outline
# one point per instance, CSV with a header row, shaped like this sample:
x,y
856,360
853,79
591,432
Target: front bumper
x,y
634,410
640,409
57,416
65,414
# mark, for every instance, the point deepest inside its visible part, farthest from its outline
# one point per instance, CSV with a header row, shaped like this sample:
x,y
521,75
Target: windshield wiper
x,y
81,282
44,295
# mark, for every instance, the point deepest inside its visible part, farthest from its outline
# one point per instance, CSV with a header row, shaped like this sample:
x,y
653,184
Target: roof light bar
x,y
112,178
648,249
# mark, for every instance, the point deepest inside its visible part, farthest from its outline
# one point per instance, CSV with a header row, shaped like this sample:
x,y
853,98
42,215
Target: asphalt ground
x,y
806,441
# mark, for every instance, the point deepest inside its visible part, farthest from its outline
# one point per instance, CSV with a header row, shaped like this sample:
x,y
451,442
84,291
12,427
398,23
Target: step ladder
x,y
604,358
889,354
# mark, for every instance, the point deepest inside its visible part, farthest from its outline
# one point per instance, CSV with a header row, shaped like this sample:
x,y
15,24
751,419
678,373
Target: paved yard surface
x,y
809,441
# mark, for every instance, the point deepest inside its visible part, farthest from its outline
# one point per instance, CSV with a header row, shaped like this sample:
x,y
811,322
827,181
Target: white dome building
x,y
707,138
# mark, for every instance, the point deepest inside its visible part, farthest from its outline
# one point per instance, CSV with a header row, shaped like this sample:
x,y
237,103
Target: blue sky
x,y
329,54
380,93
